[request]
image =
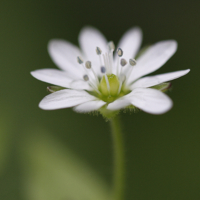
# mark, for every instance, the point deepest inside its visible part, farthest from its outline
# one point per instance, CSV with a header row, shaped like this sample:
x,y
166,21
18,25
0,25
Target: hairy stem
x,y
118,180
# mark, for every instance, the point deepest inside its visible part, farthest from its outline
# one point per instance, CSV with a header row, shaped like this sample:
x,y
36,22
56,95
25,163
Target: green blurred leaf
x,y
52,172
5,142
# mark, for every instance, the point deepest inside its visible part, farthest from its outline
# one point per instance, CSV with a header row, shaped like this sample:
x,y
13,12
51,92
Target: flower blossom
x,y
98,77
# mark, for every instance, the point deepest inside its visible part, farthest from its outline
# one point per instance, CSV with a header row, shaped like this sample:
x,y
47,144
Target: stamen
x,y
132,62
98,51
105,61
108,63
86,78
103,71
123,62
111,46
119,52
79,60
122,79
111,61
88,65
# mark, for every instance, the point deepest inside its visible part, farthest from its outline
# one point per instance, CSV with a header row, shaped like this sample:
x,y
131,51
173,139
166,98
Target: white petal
x,y
80,85
118,104
53,76
64,54
156,56
130,43
64,99
89,39
150,100
157,79
89,106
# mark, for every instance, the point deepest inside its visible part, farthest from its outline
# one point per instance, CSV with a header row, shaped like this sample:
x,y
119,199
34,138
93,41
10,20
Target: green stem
x,y
118,187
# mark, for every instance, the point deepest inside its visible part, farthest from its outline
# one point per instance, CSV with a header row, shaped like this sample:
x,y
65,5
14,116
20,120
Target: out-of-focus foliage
x,y
5,137
52,171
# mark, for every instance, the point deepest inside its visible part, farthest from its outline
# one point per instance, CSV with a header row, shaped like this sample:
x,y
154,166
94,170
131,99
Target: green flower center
x,y
113,83
111,89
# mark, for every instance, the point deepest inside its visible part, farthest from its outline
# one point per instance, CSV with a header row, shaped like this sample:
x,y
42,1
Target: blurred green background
x,y
63,155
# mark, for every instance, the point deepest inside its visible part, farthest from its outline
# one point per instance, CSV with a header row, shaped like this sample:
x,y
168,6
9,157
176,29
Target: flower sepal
x,y
108,114
163,87
131,109
53,89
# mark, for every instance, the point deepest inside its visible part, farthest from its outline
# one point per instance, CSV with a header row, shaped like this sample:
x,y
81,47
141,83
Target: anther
x,y
85,77
98,51
119,52
111,46
79,60
103,70
132,62
88,65
123,62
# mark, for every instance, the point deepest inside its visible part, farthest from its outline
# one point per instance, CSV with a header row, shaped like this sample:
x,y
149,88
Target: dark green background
x,y
162,152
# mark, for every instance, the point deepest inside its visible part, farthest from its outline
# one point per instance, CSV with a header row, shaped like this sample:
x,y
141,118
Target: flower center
x,y
114,91
111,83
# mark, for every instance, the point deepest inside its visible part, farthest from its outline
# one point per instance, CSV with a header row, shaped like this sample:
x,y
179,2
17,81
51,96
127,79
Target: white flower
x,y
93,79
